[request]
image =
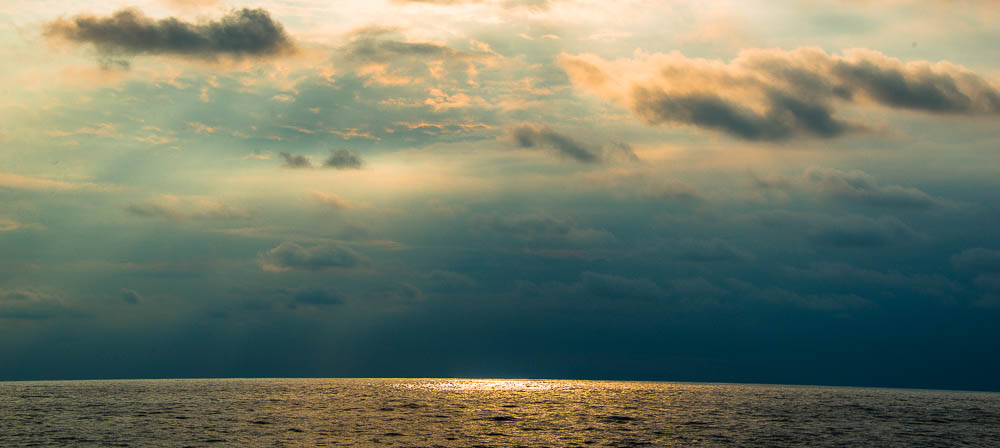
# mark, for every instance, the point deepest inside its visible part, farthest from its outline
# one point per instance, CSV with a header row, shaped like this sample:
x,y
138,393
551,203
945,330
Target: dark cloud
x,y
343,159
150,210
919,85
776,95
593,285
448,281
785,117
296,161
858,186
710,250
851,231
407,292
977,260
623,151
397,294
989,284
920,88
857,231
315,297
843,275
784,297
531,227
984,265
241,33
543,228
617,287
697,289
289,256
532,135
689,294
131,297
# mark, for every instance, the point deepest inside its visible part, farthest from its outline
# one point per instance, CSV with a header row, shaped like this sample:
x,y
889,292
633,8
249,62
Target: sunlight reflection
x,y
487,385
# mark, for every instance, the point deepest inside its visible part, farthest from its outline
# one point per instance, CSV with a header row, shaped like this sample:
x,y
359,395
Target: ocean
x,y
468,413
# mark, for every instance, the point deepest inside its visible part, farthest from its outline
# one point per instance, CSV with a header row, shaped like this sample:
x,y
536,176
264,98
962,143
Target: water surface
x,y
447,412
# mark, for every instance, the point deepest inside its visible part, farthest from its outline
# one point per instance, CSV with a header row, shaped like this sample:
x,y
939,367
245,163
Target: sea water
x,y
453,412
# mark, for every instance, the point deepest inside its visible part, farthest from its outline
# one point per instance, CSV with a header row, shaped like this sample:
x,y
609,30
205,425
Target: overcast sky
x,y
792,191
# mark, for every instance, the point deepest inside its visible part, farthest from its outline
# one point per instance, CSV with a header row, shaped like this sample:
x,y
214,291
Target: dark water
x,y
442,412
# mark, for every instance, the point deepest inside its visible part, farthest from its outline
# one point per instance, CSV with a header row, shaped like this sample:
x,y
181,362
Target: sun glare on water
x,y
488,384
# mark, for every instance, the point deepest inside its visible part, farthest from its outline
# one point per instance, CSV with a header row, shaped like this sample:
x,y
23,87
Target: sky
x,y
788,191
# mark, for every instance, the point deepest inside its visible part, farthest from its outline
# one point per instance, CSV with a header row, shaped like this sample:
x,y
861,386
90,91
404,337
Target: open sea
x,y
450,412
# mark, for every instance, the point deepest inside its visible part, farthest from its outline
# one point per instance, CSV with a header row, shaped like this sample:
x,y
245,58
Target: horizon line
x,y
844,386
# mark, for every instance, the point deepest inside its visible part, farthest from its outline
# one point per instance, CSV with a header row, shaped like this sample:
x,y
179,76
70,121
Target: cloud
x,y
437,2
690,293
383,55
19,182
710,250
531,227
984,264
343,159
192,4
784,118
854,186
536,5
315,297
544,228
10,225
697,289
784,297
330,200
131,297
671,190
850,231
179,208
977,260
31,305
990,286
405,292
291,256
594,285
448,281
622,151
842,275
858,231
617,287
860,187
532,135
240,33
296,161
379,44
776,95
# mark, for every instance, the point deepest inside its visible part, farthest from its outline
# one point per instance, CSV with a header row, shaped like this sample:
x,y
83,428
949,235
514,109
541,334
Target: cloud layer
x,y
291,256
776,95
